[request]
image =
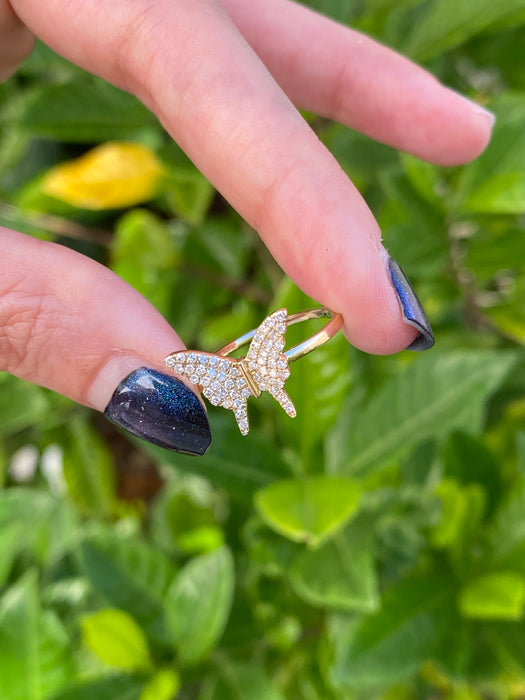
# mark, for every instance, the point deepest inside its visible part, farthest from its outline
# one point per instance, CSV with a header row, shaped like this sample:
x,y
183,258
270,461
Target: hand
x,y
223,77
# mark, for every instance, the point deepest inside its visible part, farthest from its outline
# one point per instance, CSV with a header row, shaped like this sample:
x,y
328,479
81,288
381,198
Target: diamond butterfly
x,y
229,382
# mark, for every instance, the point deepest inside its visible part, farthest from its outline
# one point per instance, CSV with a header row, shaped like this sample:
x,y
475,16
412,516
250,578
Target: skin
x,y
226,79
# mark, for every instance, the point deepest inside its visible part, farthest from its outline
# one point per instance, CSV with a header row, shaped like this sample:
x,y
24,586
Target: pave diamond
x,y
224,379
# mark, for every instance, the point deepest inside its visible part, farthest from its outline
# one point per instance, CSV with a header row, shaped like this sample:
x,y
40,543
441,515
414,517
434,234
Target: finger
x,y
344,75
70,324
16,41
188,62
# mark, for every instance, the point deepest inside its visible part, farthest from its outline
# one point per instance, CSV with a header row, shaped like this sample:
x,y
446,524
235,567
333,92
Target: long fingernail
x,y
413,313
162,410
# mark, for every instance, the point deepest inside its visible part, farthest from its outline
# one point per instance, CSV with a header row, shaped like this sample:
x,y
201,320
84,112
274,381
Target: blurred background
x,y
374,547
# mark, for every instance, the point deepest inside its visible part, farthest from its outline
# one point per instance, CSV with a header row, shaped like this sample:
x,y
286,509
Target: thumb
x,y
70,324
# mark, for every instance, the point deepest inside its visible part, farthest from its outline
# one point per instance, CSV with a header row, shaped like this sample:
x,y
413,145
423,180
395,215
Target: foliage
x,y
372,548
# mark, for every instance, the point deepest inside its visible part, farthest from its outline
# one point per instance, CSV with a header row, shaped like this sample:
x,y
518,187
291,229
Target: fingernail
x,y
162,410
478,109
413,313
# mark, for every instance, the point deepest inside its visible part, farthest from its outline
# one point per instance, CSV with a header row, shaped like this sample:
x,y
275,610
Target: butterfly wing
x,y
221,380
266,361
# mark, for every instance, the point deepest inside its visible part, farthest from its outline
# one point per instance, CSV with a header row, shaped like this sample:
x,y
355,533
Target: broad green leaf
x,y
110,688
436,394
308,510
116,639
131,575
499,596
317,384
388,646
113,175
445,24
34,647
239,465
198,603
88,469
145,254
340,574
240,681
22,404
164,685
86,110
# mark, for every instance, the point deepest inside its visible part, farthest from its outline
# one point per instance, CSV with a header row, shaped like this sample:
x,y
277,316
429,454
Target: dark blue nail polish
x,y
413,312
162,410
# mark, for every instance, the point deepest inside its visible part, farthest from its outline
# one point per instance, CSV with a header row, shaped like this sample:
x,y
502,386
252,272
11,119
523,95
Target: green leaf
x,y
239,465
22,405
86,110
483,184
469,461
499,596
116,639
412,205
507,641
340,574
241,681
490,251
164,685
436,394
506,532
112,688
131,575
448,23
198,603
389,646
502,193
188,194
88,468
34,648
145,253
462,510
508,315
33,523
188,523
308,510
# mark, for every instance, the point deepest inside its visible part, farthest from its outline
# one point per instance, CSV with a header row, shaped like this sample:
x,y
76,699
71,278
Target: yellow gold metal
x,y
229,382
308,345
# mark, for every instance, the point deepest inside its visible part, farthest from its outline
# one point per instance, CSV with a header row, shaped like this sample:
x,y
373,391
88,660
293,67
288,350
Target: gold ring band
x,y
315,341
229,382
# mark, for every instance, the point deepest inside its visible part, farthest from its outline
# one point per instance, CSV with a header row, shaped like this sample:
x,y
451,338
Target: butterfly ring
x,y
229,382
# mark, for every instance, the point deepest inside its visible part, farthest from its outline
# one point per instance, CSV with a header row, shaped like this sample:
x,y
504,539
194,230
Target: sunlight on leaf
x,y
116,639
310,510
499,595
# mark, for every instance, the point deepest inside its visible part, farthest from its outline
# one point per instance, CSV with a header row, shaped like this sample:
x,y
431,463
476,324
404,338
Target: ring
x,y
229,382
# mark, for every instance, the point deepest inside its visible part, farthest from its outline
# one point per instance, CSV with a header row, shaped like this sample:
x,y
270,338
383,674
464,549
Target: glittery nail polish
x,y
162,410
413,313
